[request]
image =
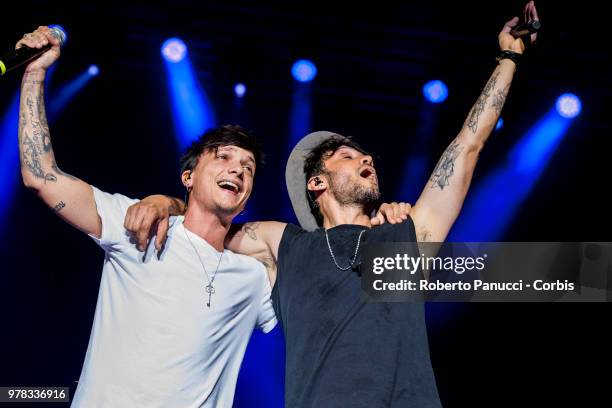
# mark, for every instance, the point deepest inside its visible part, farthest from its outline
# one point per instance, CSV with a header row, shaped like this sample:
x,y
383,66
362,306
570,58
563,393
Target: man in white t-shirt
x,y
171,326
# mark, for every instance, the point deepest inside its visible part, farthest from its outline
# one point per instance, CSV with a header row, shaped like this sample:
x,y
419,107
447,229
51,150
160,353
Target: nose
x,y
238,170
367,159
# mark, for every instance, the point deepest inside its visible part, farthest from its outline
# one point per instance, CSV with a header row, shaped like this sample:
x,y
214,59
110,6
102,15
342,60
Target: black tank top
x,y
340,350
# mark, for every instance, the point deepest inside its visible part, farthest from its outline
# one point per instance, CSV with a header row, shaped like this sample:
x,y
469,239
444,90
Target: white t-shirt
x,y
154,342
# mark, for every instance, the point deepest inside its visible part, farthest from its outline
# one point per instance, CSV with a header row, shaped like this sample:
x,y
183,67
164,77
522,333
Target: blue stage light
x,y
192,112
240,90
304,70
435,91
174,50
500,124
568,106
93,70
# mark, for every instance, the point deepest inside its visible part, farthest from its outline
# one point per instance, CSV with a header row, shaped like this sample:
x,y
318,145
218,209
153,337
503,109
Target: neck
x,y
337,214
207,225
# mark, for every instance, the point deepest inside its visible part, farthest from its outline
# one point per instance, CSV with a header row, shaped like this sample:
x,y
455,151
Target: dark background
x,y
373,60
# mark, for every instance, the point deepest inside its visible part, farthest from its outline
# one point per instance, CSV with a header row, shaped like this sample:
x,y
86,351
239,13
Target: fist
x,y
41,38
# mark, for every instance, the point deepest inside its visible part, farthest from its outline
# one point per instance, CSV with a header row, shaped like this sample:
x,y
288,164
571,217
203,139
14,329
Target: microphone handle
x,y
528,28
20,56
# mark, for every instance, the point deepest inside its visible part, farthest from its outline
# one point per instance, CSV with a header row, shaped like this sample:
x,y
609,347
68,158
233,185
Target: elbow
x,y
473,148
30,182
472,144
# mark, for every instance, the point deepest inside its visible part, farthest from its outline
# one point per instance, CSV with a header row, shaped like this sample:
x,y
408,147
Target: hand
x,y
394,213
147,218
39,39
507,41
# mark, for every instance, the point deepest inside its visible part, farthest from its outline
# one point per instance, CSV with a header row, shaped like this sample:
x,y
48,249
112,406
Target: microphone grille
x,y
59,33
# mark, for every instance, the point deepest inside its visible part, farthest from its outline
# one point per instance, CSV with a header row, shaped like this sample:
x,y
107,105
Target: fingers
x,y
379,219
406,208
162,232
39,38
510,24
392,212
142,233
533,15
534,12
398,216
139,221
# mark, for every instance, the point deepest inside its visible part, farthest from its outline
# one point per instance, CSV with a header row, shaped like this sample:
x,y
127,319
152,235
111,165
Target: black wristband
x,y
511,55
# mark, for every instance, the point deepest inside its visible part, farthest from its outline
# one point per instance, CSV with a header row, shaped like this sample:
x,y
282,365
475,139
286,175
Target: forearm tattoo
x,y
499,99
481,103
446,166
32,151
34,138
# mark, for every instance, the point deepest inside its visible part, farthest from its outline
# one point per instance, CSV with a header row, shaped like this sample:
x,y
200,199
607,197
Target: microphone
x,y
25,54
530,27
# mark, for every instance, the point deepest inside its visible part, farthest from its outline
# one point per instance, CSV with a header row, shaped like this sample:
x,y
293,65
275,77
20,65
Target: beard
x,y
350,192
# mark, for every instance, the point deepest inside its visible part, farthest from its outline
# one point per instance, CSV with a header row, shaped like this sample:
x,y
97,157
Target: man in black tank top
x,y
342,351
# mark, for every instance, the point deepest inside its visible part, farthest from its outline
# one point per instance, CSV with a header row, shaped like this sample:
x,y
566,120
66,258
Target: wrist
x,y
508,63
34,75
509,55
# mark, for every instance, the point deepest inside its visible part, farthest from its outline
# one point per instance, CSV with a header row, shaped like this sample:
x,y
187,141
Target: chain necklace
x,y
352,261
210,289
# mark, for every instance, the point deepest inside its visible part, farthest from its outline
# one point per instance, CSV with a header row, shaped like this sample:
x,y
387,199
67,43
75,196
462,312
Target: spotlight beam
x,y
192,112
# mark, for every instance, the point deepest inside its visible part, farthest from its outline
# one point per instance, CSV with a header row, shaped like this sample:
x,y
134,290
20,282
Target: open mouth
x,y
229,186
368,172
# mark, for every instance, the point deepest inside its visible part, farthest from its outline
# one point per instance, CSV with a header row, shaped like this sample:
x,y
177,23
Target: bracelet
x,y
511,55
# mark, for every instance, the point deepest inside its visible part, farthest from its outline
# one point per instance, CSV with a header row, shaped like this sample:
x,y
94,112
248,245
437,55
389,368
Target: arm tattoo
x,y
35,141
446,166
40,128
32,152
59,206
249,229
499,99
479,106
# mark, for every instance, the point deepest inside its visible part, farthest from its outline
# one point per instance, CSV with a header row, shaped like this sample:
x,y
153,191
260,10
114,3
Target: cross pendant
x,y
210,290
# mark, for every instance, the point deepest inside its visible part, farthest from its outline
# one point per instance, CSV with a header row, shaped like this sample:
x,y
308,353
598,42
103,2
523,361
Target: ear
x,y
317,184
186,179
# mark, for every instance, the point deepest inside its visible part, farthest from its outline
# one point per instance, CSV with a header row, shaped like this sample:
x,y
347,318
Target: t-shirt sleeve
x,y
112,209
266,320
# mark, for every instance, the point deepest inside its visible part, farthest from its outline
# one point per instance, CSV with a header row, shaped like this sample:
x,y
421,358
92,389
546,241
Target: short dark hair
x,y
213,139
314,164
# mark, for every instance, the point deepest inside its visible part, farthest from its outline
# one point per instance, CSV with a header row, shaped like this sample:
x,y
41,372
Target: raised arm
x,y
442,198
69,197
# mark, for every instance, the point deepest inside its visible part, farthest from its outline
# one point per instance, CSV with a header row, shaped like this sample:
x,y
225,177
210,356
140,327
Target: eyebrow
x,y
345,148
233,150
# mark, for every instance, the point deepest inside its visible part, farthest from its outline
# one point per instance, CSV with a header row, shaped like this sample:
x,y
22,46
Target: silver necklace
x,y
352,261
210,289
